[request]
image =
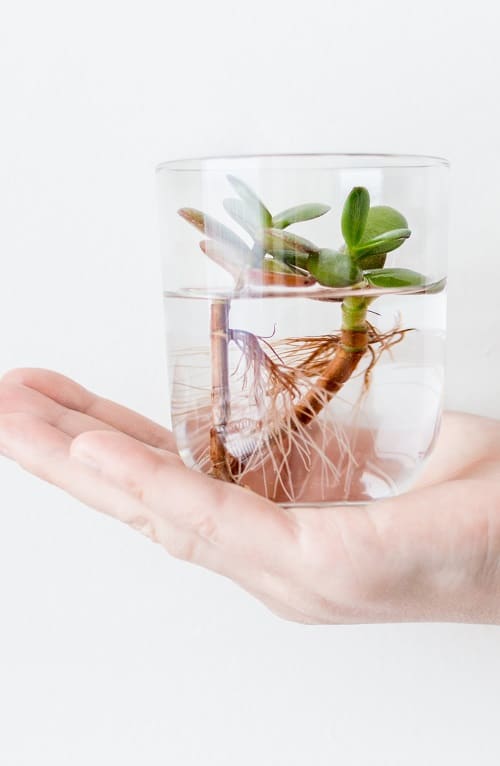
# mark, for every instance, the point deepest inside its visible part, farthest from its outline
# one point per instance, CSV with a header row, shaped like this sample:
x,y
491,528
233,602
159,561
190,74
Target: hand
x,y
431,554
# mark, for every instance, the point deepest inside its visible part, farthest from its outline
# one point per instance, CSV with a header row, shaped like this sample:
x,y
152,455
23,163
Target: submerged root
x,y
311,354
380,342
289,383
271,376
284,450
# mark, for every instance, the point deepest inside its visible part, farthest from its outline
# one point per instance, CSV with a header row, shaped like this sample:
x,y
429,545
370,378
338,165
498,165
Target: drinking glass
x,y
305,300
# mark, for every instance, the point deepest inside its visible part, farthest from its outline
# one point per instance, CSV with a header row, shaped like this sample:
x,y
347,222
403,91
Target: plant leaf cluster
x,y
369,232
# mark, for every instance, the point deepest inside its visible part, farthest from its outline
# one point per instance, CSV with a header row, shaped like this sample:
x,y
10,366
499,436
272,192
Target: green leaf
x,y
257,209
381,219
214,230
225,256
394,278
284,244
276,267
355,215
334,269
293,258
436,287
241,213
272,272
305,212
384,243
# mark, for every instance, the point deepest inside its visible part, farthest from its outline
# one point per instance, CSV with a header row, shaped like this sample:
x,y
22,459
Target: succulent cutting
x,y
297,377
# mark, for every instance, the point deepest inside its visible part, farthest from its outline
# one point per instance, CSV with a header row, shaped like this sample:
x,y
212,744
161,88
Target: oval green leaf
x,y
305,212
355,215
283,244
394,278
277,267
213,229
241,213
384,243
293,258
225,256
334,269
381,219
257,209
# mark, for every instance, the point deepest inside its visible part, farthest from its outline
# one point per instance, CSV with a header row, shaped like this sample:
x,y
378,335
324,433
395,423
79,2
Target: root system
x,y
287,384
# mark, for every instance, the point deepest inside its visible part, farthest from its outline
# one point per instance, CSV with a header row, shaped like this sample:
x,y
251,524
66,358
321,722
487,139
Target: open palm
x,y
431,554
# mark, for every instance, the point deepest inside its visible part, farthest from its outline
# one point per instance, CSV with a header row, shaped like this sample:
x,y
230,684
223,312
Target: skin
x,y
432,554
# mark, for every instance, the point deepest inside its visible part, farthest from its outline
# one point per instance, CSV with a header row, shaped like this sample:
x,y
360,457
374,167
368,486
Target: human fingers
x,y
74,398
43,450
256,561
231,530
428,555
312,565
15,398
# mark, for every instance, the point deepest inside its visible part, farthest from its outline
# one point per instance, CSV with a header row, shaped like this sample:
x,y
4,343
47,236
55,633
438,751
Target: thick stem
x,y
353,346
354,337
221,404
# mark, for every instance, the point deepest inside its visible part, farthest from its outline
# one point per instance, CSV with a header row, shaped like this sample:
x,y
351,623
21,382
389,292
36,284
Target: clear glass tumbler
x,y
305,302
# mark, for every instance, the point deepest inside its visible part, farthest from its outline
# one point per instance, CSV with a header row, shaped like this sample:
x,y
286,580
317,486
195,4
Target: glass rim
x,y
352,160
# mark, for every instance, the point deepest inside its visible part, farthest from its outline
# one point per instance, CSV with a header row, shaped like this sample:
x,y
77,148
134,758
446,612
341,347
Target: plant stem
x,y
221,404
353,346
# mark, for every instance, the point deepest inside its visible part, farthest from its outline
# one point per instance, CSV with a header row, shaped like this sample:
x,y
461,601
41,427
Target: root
x,y
310,372
288,384
271,376
350,350
309,354
384,342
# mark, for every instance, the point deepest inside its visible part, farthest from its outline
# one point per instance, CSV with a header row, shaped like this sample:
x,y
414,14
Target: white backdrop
x,y
110,652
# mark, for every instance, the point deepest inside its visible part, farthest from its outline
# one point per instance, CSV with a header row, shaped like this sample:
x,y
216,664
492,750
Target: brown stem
x,y
353,346
221,404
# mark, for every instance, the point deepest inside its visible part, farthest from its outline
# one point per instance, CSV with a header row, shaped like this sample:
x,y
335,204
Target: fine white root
x,y
265,441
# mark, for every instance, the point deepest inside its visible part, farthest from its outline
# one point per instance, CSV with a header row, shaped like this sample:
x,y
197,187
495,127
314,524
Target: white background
x,y
110,652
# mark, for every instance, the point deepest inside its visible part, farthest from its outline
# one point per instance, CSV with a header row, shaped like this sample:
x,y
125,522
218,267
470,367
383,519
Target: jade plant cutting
x,y
296,377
